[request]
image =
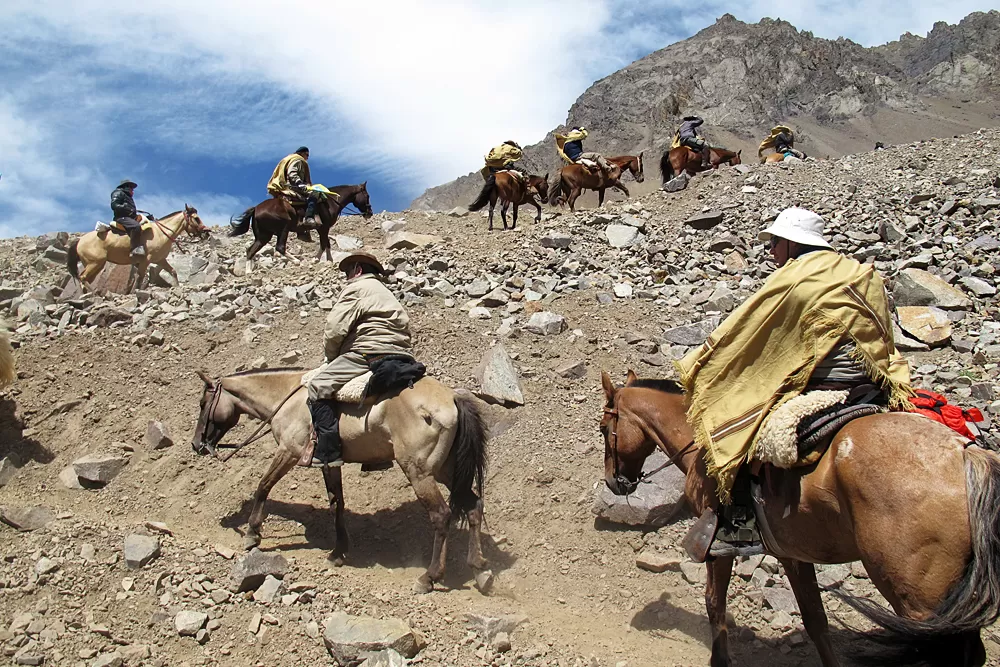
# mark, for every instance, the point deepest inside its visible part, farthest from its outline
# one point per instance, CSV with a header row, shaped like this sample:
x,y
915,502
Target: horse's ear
x,y
640,154
631,378
204,377
546,176
364,186
739,152
609,386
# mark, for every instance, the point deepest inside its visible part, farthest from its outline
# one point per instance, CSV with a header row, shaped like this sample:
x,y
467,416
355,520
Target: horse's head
x,y
362,201
735,159
218,415
193,224
635,166
626,445
540,186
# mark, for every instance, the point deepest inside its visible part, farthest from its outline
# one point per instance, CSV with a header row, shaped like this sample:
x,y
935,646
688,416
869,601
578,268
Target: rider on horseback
x,y
502,158
784,142
126,215
570,148
820,322
291,180
367,322
688,134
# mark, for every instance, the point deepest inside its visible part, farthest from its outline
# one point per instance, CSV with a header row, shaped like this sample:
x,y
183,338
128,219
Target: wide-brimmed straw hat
x,y
360,257
125,181
799,225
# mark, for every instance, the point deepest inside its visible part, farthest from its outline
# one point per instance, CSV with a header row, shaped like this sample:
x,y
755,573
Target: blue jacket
x,y
573,150
688,130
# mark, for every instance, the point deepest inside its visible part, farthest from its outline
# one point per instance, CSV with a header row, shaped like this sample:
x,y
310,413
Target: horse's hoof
x,y
423,585
337,560
251,542
484,581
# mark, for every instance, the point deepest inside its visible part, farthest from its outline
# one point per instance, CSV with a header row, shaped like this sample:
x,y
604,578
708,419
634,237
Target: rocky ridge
x,y
120,546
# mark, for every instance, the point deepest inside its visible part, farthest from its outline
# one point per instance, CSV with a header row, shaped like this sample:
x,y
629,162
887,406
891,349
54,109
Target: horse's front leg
x,y
325,255
513,224
493,204
600,196
283,462
719,572
429,494
802,577
618,185
335,492
534,202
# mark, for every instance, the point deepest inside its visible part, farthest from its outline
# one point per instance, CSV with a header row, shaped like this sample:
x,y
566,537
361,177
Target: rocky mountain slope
x,y
744,78
127,545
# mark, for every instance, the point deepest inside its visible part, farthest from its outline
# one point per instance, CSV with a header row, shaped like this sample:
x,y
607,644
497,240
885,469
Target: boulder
x,y
250,570
704,220
409,240
690,334
556,240
916,287
477,288
188,623
7,471
390,226
348,637
622,236
488,627
653,504
345,242
269,590
677,183
655,561
572,370
99,468
978,286
927,324
622,290
546,323
458,212
157,435
498,381
384,658
496,298
26,519
781,599
140,550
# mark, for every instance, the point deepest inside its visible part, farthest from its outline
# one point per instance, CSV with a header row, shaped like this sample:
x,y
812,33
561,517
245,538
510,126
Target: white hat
x,y
799,225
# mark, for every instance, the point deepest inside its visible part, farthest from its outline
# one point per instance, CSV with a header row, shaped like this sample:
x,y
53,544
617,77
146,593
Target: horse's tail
x,y
974,601
484,196
557,189
6,357
666,169
72,259
469,451
241,225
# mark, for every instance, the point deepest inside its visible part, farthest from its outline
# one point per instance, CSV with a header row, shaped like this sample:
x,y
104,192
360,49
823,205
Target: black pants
x,y
698,145
311,201
326,421
133,228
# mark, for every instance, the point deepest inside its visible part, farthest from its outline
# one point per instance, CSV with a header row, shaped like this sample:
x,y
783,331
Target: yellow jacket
x,y
769,142
561,140
280,184
502,155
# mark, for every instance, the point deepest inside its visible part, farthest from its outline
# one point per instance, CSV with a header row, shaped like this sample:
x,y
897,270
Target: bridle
x,y
175,238
259,433
621,480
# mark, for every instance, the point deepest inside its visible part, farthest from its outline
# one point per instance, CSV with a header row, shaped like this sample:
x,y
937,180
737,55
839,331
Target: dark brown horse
x,y
896,491
512,190
683,159
575,178
278,217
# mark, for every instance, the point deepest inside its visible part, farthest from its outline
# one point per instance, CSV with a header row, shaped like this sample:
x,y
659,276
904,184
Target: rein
x,y
253,437
643,477
175,239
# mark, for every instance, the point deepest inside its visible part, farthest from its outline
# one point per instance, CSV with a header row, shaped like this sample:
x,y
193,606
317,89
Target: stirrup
x,y
318,463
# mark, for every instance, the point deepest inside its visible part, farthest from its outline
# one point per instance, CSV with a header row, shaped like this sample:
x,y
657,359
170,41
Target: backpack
x,y
934,405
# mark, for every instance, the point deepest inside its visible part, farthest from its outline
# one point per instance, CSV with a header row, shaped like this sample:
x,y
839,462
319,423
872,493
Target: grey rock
x,y
477,288
987,203
45,565
270,589
105,317
157,435
781,599
28,659
99,468
501,643
653,504
948,207
345,242
55,254
488,627
677,183
384,658
498,380
556,240
572,369
927,324
705,220
694,573
458,212
890,232
982,391
113,659
978,286
833,576
633,221
495,298
985,242
690,334
68,478
250,570
140,550
920,198
546,323
622,290
915,287
410,241
188,623
438,264
655,561
657,360
348,637
7,471
905,343
390,226
622,236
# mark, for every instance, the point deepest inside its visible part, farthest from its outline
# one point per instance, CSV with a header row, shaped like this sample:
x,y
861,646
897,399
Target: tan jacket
x,y
367,319
288,178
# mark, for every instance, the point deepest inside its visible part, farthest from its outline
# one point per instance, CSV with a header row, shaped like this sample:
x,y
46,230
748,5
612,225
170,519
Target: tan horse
x,y
512,190
575,178
95,250
434,434
7,374
896,491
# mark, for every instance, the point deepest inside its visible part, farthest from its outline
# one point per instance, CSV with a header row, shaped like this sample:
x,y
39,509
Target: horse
x,y
682,159
7,375
900,493
512,190
575,178
96,249
433,433
278,217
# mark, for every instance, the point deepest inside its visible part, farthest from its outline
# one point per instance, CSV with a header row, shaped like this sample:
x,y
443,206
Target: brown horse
x,y
95,249
278,217
896,491
683,159
512,190
575,178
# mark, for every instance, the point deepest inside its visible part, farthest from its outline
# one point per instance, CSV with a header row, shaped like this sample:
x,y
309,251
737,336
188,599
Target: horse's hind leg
x,y
719,572
475,559
282,463
429,494
325,255
802,577
513,221
335,492
281,244
533,202
503,214
91,271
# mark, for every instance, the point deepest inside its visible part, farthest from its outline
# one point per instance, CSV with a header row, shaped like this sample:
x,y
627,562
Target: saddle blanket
x,y
515,173
589,164
105,227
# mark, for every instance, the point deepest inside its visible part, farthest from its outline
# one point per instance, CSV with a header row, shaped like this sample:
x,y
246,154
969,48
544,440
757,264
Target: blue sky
x,y
196,100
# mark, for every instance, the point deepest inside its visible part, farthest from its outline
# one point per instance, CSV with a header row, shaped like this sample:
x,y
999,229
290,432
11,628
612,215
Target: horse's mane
x,y
170,215
666,386
261,371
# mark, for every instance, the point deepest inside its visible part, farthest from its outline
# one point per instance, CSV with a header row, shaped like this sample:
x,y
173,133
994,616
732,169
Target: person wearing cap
x,y
822,320
126,215
366,322
502,158
291,179
570,148
690,137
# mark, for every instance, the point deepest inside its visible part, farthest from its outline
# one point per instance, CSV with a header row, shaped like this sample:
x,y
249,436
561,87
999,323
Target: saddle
x,y
800,430
589,164
518,176
102,228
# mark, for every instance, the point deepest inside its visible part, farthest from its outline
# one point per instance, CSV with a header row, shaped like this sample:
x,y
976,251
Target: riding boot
x,y
706,157
309,218
135,240
326,422
729,530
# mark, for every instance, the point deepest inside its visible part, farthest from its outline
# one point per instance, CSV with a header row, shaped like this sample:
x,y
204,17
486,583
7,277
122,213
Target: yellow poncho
x,y
563,139
499,157
765,352
769,142
278,184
